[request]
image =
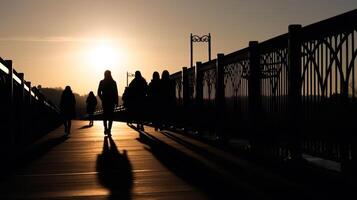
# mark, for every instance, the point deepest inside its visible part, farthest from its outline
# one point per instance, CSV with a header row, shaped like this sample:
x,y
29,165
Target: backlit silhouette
x,y
166,97
135,98
68,111
153,96
108,93
91,105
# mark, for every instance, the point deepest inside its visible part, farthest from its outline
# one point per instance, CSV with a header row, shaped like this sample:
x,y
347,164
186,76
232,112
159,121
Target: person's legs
x,y
110,123
65,126
91,119
106,118
111,115
69,126
105,126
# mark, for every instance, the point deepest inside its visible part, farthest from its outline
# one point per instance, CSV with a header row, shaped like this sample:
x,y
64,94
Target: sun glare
x,y
104,56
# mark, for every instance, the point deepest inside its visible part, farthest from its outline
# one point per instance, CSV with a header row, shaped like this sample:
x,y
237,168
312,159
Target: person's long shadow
x,y
85,126
114,170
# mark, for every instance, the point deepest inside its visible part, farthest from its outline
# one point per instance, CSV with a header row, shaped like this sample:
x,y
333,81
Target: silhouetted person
x,y
108,93
127,102
153,95
68,108
137,98
91,105
167,98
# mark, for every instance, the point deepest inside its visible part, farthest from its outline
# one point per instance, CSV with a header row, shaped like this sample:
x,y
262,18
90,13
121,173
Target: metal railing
x,y
119,108
25,113
291,95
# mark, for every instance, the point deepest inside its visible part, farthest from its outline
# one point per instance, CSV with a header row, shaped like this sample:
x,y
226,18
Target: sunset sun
x,y
104,55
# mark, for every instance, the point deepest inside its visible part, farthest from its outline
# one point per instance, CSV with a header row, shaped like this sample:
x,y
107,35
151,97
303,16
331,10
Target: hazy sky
x,y
71,42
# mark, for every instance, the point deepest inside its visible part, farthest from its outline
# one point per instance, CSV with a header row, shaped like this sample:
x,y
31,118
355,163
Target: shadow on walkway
x,y
14,158
85,126
201,176
114,170
192,170
40,149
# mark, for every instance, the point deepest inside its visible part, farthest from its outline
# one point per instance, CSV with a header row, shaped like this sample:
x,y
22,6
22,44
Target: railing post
x,y
21,77
29,124
254,79
10,91
199,119
21,108
10,114
191,84
185,87
199,85
10,82
294,88
220,99
254,95
220,82
186,92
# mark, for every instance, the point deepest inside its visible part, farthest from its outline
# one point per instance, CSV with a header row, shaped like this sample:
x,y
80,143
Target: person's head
x,y
156,76
91,93
68,89
165,75
107,74
137,74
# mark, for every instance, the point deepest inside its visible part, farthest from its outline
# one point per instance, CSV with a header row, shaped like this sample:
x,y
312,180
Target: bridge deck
x,y
153,165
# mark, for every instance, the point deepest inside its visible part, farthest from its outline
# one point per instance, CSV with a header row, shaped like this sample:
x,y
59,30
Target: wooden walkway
x,y
133,165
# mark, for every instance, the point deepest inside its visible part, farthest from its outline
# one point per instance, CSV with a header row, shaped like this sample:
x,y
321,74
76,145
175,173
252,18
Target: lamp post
x,y
128,74
203,38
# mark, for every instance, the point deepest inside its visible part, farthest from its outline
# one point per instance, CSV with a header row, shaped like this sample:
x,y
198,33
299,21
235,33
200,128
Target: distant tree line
x,y
54,95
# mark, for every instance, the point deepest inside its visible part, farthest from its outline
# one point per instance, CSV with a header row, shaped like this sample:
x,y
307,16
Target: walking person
x,y
91,105
68,108
153,95
137,95
108,94
167,98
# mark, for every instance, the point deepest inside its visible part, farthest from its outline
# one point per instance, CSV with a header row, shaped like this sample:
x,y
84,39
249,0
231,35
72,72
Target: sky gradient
x,y
62,42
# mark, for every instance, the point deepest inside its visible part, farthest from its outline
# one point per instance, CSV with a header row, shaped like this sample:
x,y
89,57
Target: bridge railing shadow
x,y
191,170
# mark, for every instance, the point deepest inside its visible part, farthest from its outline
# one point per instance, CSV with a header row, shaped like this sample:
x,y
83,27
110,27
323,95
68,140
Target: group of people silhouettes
x,y
142,101
149,101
